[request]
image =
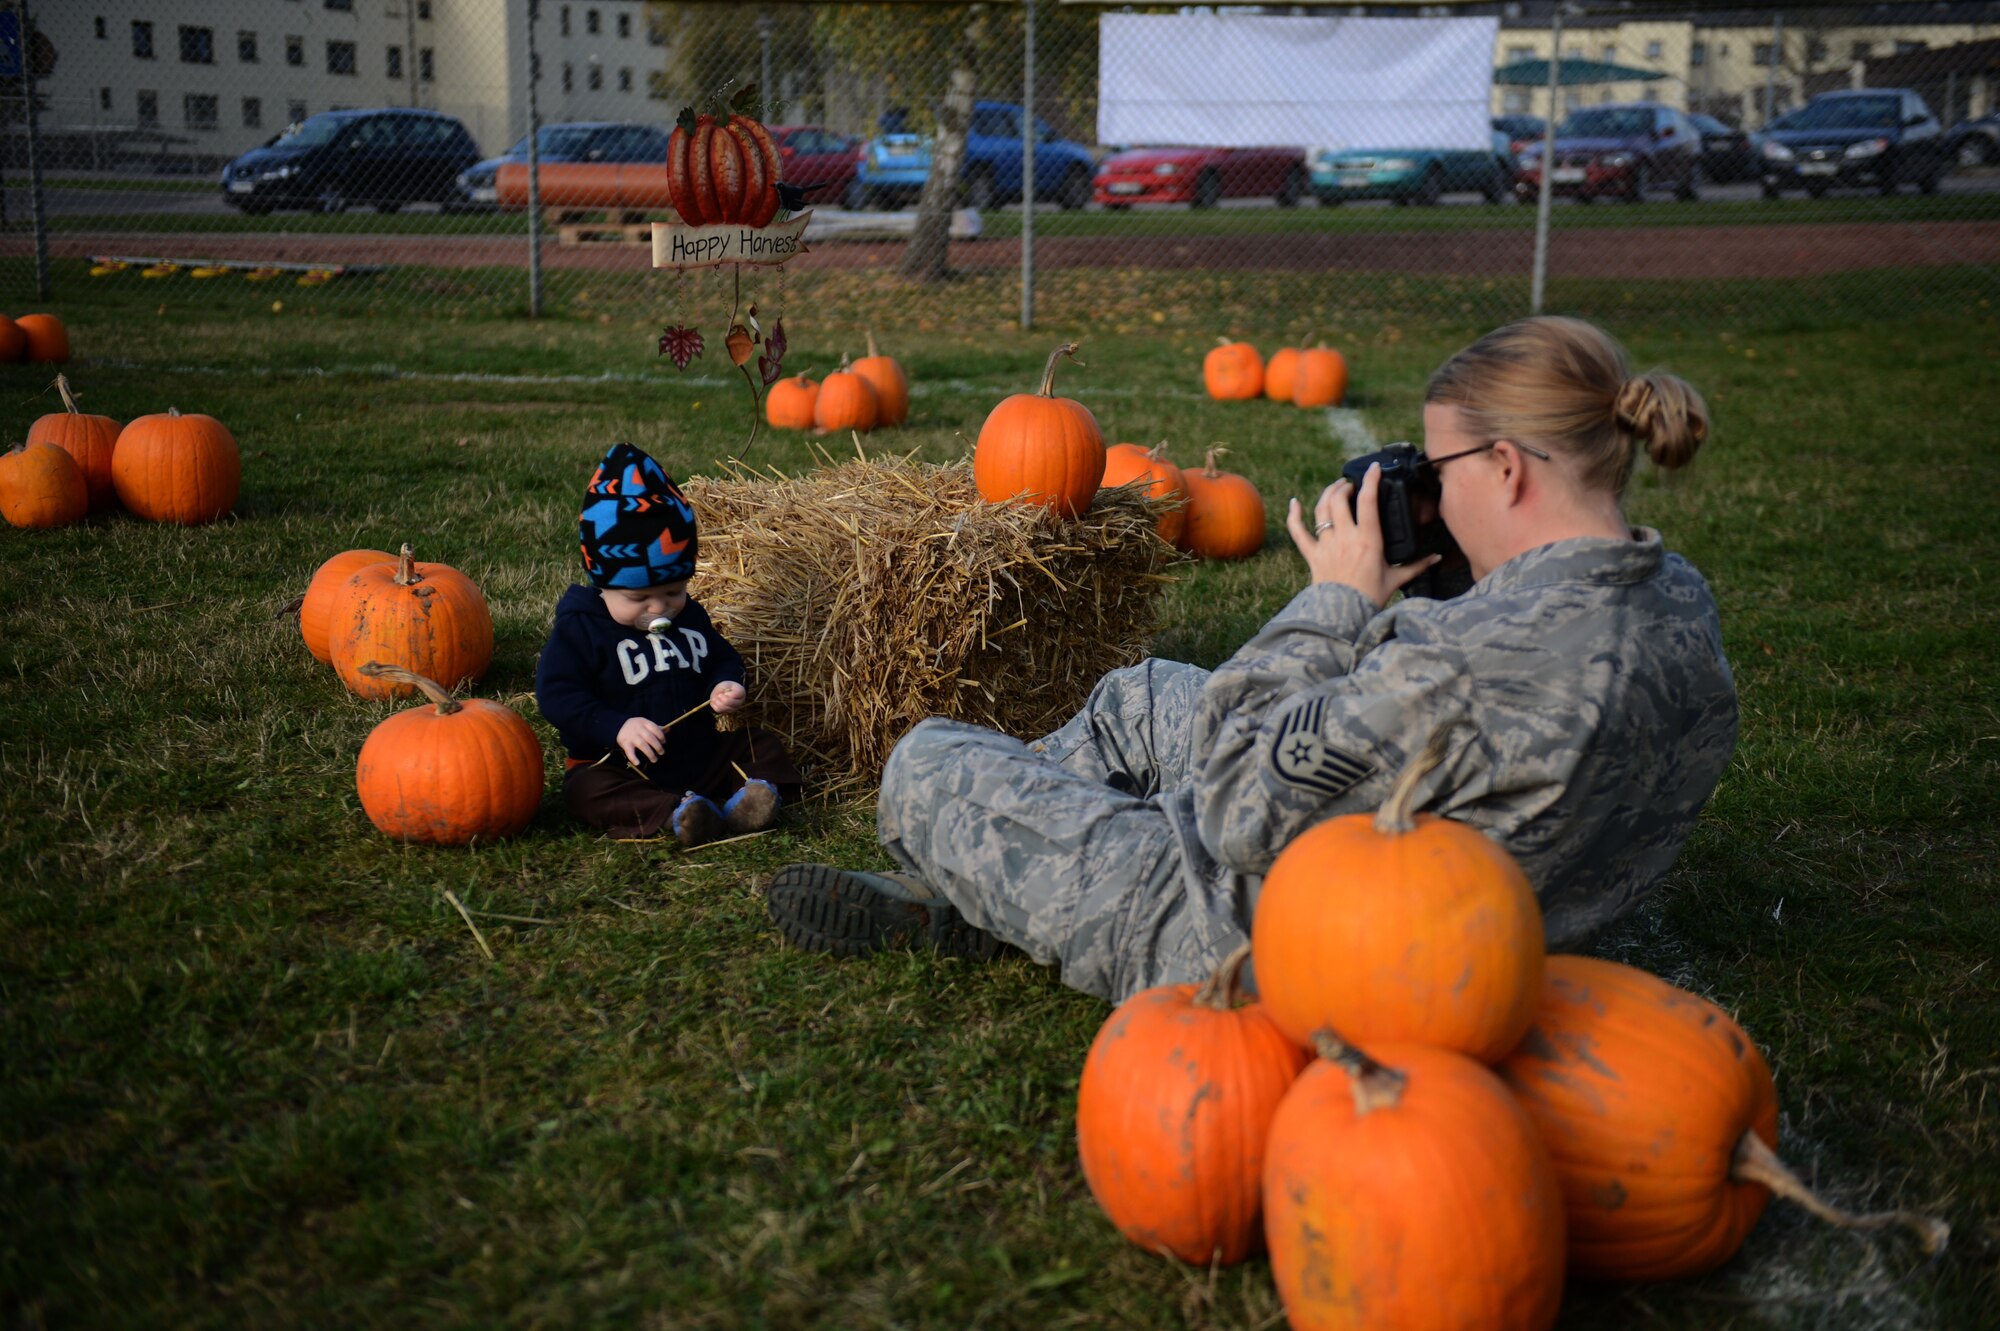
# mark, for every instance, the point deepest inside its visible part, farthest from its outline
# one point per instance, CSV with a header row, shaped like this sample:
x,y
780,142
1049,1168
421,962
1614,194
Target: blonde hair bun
x,y
1666,412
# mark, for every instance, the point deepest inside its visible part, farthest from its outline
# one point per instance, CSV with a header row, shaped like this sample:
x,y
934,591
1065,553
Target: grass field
x,y
260,1073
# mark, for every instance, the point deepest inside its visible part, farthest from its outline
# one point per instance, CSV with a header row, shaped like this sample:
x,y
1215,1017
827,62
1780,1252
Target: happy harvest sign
x,y
676,245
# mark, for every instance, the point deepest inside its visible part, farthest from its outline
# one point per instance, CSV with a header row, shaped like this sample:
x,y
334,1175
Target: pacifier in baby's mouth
x,y
658,625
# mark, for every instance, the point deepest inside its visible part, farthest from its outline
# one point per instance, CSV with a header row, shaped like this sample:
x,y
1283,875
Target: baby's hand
x,y
727,696
642,740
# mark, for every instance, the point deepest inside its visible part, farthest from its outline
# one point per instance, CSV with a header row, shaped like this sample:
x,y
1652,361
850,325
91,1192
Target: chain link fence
x,y
377,152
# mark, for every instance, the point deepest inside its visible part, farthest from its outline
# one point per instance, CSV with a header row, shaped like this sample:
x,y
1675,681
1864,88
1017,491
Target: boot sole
x,y
823,909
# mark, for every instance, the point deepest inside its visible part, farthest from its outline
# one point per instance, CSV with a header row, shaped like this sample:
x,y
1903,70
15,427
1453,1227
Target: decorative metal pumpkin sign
x,y
723,174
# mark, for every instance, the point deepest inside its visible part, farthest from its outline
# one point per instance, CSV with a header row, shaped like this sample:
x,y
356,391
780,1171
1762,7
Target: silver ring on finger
x,y
1322,527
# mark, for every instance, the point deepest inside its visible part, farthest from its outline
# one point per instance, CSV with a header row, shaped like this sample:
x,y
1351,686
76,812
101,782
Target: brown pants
x,y
613,798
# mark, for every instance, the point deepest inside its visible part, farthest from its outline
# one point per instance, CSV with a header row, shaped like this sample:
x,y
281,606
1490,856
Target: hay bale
x,y
871,594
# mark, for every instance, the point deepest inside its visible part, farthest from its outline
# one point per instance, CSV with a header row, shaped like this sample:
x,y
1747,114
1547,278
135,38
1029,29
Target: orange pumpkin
x,y
1436,933
1125,464
316,606
846,402
1279,373
789,405
1040,448
48,340
427,618
891,385
1225,514
1233,371
451,772
41,486
88,439
1660,1117
1320,379
13,342
1177,1093
175,468
1411,1193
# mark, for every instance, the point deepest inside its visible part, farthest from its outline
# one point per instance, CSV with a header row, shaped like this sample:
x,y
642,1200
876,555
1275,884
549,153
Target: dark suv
x,y
1621,152
1880,137
384,158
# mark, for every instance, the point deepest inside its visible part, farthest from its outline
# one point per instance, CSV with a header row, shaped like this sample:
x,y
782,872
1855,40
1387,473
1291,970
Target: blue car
x,y
1412,175
895,163
578,141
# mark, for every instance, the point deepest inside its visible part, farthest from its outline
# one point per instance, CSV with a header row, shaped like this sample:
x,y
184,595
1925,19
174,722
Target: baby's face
x,y
636,607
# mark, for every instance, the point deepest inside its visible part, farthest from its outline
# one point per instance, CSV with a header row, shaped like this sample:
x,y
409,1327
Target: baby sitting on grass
x,y
630,656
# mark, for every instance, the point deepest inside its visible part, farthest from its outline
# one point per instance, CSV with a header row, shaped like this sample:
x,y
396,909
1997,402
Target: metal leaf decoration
x,y
682,343
771,363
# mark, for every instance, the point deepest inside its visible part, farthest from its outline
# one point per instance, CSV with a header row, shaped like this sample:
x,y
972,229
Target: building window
x,y
1610,53
1518,53
1652,94
340,57
424,10
1761,55
624,25
1654,50
656,31
393,61
1858,52
1514,101
596,78
148,105
142,40
104,99
198,110
624,80
295,50
103,30
1816,52
246,47
565,20
569,77
197,46
345,6
1572,100
253,112
1574,53
1904,48
1698,53
591,24
295,113
426,67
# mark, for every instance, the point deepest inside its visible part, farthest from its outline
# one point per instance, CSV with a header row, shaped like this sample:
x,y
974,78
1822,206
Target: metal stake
x,y
1028,170
39,203
534,167
1540,282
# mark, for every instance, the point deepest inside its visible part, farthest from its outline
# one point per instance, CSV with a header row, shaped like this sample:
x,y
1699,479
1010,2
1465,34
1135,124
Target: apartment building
x,y
1721,62
212,78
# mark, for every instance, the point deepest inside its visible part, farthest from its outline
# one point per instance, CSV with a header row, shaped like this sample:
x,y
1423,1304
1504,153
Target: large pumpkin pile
x,y
1574,1115
166,467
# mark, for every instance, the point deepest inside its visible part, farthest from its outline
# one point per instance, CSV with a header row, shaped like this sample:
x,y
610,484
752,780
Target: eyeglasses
x,y
1530,449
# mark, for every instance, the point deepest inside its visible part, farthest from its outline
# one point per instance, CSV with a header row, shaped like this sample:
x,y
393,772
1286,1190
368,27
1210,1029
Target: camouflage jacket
x,y
1591,707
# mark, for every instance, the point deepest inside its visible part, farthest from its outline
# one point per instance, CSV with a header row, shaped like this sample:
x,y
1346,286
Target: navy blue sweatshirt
x,y
595,674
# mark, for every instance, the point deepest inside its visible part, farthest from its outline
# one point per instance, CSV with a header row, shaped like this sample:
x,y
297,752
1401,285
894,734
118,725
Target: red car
x,y
815,156
1200,177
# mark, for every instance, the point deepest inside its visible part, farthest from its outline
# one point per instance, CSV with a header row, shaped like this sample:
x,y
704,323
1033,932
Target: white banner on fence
x,y
1229,80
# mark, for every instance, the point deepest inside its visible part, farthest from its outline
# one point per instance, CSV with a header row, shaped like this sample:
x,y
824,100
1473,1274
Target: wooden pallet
x,y
612,216
605,233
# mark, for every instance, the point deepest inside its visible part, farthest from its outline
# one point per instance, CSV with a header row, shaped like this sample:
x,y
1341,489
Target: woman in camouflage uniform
x,y
1580,686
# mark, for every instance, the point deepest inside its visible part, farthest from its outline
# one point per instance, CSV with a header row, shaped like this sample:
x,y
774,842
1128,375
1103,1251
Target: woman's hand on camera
x,y
1344,543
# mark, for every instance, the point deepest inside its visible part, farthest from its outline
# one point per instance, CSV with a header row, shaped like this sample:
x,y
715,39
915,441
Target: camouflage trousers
x,y
1060,846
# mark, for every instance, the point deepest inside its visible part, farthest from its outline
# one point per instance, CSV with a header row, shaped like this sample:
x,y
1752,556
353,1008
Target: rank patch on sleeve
x,y
1302,758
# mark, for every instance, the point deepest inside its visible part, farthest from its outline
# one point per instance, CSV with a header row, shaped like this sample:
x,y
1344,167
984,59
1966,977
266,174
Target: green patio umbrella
x,y
1571,71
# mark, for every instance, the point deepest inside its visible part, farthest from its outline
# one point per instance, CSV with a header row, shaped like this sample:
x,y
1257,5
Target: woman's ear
x,y
1513,469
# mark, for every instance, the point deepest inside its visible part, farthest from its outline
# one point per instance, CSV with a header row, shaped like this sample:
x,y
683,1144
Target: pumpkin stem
x,y
446,704
1398,816
871,344
1208,466
406,568
173,411
1223,989
1374,1086
1049,375
68,397
1308,341
1757,1163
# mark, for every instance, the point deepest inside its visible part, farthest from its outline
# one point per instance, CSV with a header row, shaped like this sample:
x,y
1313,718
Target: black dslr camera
x,y
1411,526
